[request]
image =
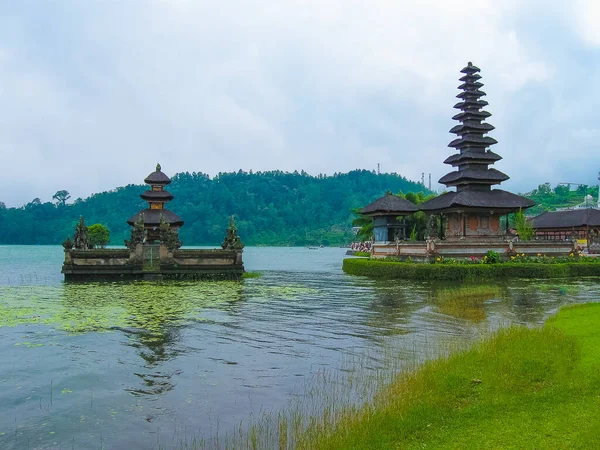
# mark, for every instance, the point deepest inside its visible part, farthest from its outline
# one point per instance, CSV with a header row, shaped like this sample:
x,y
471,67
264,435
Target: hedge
x,y
423,271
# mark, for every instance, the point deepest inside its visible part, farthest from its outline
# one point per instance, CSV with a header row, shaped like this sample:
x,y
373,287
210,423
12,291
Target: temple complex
x,y
465,222
153,251
474,209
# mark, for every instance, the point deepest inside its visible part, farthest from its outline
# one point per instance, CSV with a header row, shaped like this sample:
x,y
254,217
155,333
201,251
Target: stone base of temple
x,y
152,262
469,248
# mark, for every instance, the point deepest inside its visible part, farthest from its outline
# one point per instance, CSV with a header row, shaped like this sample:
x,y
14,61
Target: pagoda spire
x,y
473,157
156,213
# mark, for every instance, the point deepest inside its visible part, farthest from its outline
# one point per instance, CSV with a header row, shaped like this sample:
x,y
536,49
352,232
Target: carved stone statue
x,y
432,227
68,243
80,239
232,240
168,236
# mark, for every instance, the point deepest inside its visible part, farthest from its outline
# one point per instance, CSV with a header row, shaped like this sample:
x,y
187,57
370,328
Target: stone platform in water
x,y
152,262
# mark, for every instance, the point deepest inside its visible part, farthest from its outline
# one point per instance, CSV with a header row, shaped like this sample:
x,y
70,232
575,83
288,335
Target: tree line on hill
x,y
562,195
270,208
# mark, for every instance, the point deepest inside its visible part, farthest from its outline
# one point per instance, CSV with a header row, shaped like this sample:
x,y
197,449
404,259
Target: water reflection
x,y
193,355
150,315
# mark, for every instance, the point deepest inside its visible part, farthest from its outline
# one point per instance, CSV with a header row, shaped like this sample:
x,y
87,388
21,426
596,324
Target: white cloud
x,y
95,93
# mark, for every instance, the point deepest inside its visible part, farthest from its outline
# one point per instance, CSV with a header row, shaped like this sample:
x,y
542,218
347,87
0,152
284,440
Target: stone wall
x,y
467,248
123,263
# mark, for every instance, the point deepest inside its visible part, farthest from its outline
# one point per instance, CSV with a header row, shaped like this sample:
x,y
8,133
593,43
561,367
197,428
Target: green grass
x,y
457,272
523,388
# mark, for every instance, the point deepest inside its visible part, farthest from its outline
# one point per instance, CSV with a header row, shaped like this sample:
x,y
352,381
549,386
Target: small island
x,y
153,251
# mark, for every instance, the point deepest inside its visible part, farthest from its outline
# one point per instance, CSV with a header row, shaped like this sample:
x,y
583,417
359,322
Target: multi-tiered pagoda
x,y
474,209
156,197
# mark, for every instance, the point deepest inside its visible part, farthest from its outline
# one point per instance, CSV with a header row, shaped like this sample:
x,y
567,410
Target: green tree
x,y
365,233
523,226
61,197
98,235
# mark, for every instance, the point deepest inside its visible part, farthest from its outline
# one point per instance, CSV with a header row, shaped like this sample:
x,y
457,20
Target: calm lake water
x,y
132,365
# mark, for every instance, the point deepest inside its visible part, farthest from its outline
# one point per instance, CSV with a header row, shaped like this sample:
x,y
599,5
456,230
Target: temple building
x,y
581,223
474,209
464,223
386,212
153,251
156,197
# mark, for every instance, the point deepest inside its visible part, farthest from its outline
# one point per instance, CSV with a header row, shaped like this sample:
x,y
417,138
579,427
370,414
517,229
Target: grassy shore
x,y
377,268
523,388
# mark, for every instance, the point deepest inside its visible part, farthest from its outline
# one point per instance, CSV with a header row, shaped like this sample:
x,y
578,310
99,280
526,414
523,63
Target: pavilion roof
x,y
152,217
156,196
585,217
483,176
492,199
390,204
157,177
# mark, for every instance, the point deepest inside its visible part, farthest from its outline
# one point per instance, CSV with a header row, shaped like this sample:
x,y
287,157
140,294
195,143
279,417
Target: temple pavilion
x,y
388,213
156,197
474,209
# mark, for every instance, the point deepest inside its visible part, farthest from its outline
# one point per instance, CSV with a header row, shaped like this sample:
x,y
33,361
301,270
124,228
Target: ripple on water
x,y
127,363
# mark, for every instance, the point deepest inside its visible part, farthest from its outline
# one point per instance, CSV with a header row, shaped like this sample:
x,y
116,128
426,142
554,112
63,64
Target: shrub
x,y
491,257
458,272
523,227
98,235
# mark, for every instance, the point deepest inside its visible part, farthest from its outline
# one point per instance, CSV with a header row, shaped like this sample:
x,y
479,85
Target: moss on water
x,y
85,307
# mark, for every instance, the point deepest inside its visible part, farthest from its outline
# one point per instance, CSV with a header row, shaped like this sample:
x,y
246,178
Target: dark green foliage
x,y
137,234
271,208
523,227
168,236
457,272
548,199
366,226
492,257
98,235
61,197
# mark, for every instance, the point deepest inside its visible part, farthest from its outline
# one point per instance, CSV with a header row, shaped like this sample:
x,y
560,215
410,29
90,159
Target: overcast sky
x,y
94,93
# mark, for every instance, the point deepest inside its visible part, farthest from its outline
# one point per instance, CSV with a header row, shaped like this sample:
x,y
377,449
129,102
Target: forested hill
x,y
271,208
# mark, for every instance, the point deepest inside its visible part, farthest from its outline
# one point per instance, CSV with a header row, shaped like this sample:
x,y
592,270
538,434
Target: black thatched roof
x,y
473,158
157,177
567,219
157,196
488,157
489,176
492,199
152,218
470,69
389,204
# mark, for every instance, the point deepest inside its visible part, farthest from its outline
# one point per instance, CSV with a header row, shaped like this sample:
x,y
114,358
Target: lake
x,y
144,365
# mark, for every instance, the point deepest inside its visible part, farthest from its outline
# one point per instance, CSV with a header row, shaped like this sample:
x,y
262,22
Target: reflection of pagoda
x,y
156,198
474,209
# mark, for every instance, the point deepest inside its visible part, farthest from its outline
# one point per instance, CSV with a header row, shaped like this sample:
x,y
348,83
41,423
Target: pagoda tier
x,y
156,197
473,158
474,178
